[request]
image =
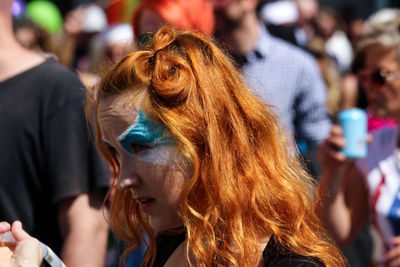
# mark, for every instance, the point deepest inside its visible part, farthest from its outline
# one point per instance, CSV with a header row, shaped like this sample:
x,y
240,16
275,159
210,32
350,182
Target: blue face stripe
x,y
145,131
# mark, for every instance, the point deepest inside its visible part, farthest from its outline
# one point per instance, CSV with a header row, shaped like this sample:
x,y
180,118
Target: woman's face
x,y
381,80
147,156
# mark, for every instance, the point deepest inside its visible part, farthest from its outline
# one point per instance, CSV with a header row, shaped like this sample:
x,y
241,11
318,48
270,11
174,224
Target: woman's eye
x,y
136,148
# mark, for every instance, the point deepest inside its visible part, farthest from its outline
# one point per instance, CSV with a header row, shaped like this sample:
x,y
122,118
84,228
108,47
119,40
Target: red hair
x,y
247,183
182,14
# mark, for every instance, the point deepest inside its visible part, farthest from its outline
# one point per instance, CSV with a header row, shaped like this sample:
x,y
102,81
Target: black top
x,y
45,154
274,255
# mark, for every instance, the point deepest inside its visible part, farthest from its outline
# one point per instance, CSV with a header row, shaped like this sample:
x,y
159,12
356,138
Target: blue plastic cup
x,y
354,125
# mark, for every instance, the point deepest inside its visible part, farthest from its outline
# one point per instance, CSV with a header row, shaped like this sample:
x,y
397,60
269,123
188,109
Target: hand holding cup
x,y
354,125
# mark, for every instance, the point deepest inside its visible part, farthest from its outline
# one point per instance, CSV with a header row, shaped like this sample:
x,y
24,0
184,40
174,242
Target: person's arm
x,y
343,193
84,230
72,27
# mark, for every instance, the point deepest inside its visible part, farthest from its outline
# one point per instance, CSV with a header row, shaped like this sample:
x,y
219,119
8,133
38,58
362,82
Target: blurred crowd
x,y
314,69
91,35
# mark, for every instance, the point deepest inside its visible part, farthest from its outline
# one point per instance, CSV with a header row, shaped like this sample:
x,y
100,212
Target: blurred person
x,y
352,92
201,163
353,95
32,36
78,46
51,177
80,26
150,15
308,9
118,41
281,19
330,74
107,48
329,26
353,190
281,74
290,20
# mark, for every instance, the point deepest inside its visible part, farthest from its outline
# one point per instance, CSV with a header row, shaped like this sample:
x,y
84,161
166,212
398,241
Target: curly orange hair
x,y
247,182
182,14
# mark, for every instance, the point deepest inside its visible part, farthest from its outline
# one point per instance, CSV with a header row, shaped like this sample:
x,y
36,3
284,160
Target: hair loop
x,y
152,60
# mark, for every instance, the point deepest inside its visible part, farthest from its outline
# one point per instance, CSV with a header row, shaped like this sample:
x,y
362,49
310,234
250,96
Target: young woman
x,y
201,165
354,190
201,162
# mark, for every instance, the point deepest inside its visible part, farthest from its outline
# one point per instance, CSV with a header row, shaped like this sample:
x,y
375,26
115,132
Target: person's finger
x,y
336,130
395,240
17,231
4,227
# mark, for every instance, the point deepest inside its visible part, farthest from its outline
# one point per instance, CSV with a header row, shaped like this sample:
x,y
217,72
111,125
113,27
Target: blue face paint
x,y
144,131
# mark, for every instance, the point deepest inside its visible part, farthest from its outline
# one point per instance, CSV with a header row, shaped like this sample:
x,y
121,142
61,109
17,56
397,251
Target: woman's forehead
x,y
378,54
125,101
117,112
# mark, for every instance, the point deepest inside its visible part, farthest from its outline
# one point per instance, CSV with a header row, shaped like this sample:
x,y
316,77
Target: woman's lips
x,y
145,203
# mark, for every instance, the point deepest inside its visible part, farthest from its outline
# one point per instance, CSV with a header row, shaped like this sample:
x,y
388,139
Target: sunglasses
x,y
377,78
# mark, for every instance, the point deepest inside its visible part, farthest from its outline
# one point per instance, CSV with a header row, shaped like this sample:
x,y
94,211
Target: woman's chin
x,y
377,112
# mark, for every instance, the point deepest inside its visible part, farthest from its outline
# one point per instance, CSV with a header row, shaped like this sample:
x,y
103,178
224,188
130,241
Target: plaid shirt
x,y
288,78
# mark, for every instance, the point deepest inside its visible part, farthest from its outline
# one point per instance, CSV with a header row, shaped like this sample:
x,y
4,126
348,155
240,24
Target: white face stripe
x,y
126,132
162,155
145,140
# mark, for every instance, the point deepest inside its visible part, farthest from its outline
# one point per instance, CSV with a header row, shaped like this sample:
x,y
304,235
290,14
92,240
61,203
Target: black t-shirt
x,y
45,152
274,255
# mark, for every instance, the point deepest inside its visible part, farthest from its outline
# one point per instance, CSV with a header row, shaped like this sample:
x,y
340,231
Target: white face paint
x,y
148,159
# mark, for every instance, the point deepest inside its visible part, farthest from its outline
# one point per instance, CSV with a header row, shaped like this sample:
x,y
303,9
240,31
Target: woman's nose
x,y
128,181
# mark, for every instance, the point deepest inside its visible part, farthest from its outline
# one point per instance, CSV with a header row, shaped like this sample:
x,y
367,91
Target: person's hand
x,y
392,258
73,23
329,154
27,251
